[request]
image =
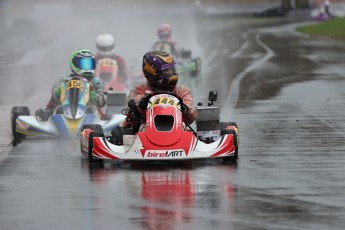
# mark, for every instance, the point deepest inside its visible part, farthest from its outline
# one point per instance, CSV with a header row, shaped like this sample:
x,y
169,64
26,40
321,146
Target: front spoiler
x,y
103,149
59,126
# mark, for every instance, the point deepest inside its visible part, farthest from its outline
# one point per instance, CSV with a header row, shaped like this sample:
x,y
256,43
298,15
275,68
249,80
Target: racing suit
x,y
168,46
120,61
182,91
97,98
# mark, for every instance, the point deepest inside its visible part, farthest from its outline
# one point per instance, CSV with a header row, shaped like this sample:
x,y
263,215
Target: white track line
x,y
235,85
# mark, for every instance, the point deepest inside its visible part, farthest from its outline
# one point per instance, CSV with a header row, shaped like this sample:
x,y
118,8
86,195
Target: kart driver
x,y
165,42
160,73
105,44
82,63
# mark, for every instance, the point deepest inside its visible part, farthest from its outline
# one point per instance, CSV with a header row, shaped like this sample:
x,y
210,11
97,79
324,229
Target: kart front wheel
x,y
90,157
15,113
97,128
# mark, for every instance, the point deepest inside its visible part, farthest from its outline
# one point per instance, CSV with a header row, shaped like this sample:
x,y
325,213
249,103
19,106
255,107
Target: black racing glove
x,y
144,102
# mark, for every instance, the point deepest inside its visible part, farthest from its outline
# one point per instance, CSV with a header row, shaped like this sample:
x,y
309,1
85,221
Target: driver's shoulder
x,y
181,87
182,91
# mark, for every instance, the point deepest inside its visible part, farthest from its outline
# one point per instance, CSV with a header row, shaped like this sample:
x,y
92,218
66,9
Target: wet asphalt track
x,y
286,95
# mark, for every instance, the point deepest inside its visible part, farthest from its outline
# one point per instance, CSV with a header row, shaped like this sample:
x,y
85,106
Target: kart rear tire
x,y
17,111
223,125
90,158
235,156
117,136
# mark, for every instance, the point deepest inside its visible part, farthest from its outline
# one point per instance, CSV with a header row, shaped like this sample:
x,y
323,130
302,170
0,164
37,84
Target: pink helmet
x,y
164,31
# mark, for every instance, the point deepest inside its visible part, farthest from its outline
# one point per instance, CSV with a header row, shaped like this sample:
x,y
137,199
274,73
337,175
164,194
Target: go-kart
x,y
67,119
186,65
115,87
163,136
321,15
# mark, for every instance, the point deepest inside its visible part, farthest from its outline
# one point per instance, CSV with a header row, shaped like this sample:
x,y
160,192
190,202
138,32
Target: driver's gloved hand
x,y
142,104
184,109
42,115
100,100
144,101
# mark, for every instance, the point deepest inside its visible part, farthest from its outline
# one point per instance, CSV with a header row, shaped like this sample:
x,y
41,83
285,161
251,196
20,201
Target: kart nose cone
x,y
164,129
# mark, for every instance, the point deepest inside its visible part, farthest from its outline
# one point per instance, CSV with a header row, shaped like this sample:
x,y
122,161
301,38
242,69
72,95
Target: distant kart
x,y
136,77
66,120
116,87
321,15
186,64
164,137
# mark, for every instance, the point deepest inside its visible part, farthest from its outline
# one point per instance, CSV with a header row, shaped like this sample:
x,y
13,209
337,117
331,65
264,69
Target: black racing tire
x,y
117,136
223,125
94,127
17,111
235,156
90,158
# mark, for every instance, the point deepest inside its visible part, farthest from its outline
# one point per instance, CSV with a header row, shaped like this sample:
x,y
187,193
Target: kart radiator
x,y
208,118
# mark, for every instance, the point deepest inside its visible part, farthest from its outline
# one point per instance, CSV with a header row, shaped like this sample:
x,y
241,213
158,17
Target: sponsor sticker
x,y
159,154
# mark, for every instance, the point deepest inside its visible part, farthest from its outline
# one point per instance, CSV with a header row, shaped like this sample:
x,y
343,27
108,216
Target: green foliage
x,y
334,28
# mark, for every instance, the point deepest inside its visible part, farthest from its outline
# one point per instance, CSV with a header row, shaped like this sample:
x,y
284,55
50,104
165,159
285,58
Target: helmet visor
x,y
169,71
86,63
168,66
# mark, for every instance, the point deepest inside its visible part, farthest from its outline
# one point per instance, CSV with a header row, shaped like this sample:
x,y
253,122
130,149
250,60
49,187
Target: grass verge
x,y
334,28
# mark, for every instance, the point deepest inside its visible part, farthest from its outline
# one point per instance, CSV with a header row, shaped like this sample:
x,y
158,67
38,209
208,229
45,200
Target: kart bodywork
x,y
115,87
188,66
67,119
164,136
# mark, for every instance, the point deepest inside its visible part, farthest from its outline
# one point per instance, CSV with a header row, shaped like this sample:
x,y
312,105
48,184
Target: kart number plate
x,y
164,100
75,84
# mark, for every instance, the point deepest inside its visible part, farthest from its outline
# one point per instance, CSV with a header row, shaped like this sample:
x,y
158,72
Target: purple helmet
x,y
159,69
